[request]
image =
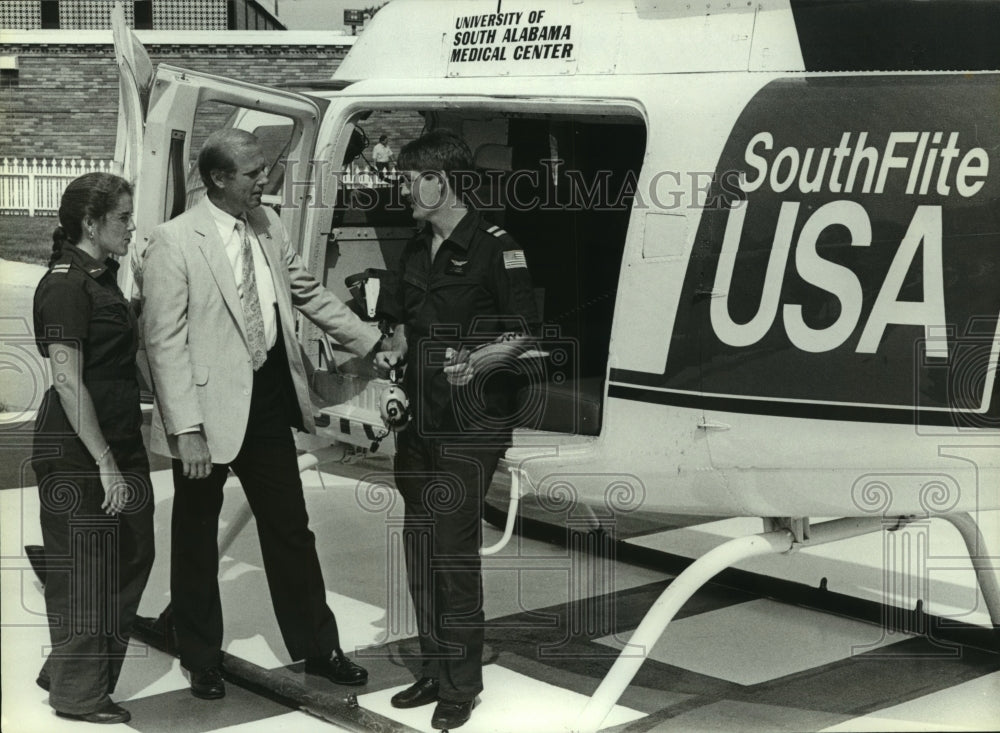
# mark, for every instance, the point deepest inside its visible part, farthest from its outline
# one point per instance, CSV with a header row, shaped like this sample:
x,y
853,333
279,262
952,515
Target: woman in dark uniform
x,y
93,473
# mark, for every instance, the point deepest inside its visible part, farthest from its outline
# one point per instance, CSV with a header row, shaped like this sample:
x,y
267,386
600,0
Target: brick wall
x,y
66,101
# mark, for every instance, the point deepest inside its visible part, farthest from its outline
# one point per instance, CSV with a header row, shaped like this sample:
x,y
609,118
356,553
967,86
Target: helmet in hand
x,y
394,408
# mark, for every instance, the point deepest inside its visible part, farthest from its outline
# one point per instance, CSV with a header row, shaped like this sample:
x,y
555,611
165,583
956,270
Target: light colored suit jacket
x,y
195,334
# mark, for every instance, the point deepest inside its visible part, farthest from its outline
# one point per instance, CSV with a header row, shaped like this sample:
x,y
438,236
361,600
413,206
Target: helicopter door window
x,y
276,133
276,140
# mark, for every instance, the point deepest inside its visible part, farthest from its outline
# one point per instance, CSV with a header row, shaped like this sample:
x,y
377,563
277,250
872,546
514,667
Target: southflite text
x,y
916,163
923,158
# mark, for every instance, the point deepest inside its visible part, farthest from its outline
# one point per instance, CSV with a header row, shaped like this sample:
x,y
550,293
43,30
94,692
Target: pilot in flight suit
x,y
460,282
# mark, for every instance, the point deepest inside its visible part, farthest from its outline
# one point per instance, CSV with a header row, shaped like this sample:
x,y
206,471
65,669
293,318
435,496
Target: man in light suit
x,y
220,284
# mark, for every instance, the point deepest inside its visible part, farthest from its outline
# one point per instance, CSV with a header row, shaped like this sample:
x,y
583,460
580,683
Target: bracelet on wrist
x,y
104,453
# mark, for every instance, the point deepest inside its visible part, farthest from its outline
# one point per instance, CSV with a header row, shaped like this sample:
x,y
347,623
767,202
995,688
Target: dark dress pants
x,y
267,467
97,566
443,486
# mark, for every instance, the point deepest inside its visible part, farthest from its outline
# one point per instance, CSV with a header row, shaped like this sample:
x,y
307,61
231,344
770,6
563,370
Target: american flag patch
x,y
514,258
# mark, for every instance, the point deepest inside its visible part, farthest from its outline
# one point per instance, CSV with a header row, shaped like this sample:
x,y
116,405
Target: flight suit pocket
x,y
110,312
416,281
466,296
111,334
456,281
414,291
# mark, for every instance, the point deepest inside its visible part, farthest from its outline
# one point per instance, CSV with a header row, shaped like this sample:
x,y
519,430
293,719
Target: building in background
x,y
60,93
204,15
59,81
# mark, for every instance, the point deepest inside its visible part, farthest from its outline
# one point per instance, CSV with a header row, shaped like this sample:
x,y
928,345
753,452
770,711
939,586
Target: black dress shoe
x,y
207,684
421,692
107,713
338,669
448,715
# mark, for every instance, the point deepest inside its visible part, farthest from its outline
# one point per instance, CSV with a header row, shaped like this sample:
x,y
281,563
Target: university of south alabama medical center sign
x,y
485,42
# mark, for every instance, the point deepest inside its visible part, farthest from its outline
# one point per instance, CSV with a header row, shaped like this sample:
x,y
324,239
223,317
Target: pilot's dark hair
x,y
219,152
440,150
382,138
91,195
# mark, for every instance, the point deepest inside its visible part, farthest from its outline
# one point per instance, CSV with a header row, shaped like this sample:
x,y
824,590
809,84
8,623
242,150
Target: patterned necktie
x,y
250,300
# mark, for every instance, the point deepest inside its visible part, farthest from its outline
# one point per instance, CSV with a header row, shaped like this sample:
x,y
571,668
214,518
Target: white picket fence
x,y
33,187
360,175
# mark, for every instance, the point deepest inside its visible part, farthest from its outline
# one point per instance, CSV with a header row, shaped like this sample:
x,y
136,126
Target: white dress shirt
x,y
230,236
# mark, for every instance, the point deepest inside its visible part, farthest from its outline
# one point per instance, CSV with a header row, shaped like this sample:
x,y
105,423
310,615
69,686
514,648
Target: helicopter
x,y
765,258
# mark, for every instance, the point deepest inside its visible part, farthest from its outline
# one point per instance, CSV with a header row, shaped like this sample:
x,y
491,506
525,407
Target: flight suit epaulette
x,y
513,255
496,231
63,272
68,265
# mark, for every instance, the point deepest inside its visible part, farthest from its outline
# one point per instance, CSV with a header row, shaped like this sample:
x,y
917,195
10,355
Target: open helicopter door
x,y
135,81
186,105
